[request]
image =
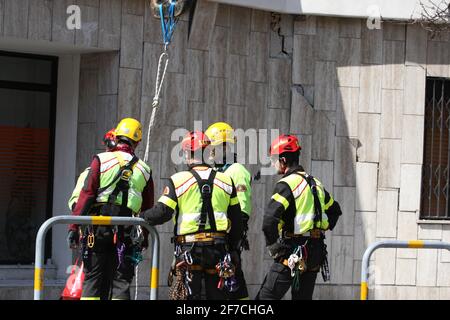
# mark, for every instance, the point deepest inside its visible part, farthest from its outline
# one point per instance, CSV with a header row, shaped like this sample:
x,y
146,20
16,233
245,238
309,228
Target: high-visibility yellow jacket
x,y
76,192
110,164
291,207
182,202
242,180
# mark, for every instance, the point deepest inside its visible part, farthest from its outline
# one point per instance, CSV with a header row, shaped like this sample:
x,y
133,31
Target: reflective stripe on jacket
x,y
304,203
110,164
242,180
187,201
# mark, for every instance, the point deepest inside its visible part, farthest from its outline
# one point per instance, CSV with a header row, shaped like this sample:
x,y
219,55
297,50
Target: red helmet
x,y
284,143
109,139
195,140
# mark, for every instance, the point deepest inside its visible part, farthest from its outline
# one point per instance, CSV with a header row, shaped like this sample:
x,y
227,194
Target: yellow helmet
x,y
220,132
130,128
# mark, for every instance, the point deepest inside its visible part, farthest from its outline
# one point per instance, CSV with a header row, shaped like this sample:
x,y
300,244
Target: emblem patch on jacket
x,y
241,188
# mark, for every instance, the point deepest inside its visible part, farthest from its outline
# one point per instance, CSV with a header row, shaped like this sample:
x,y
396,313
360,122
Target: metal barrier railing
x,y
95,220
412,244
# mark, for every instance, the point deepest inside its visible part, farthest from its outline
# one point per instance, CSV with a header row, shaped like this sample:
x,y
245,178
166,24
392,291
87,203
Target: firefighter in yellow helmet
x,y
223,140
206,214
118,184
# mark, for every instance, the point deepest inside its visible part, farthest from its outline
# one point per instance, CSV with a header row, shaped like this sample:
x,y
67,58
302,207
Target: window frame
x,y
52,90
428,219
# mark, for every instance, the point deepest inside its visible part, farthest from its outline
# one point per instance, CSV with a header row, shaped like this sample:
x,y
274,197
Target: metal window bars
x,y
413,244
435,197
94,220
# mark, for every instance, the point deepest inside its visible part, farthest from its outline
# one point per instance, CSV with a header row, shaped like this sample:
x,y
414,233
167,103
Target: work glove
x,y
73,239
278,250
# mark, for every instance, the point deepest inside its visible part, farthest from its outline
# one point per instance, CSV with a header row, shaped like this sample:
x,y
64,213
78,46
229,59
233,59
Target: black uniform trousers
x,y
278,280
104,278
242,292
207,256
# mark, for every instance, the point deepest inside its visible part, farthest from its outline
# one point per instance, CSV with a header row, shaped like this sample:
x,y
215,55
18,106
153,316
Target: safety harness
x,y
206,188
297,261
123,185
122,180
182,265
317,205
207,211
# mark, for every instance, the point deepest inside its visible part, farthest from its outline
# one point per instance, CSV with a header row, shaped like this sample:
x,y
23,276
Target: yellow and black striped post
x,y
94,220
413,244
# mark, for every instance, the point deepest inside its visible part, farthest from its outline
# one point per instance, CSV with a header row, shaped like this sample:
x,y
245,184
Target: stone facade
x,y
353,96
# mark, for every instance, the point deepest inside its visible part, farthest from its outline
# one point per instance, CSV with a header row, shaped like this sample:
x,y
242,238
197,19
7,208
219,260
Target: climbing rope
x,y
161,73
168,24
139,235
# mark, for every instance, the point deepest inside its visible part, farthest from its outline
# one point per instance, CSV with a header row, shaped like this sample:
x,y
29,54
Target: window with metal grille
x,y
435,173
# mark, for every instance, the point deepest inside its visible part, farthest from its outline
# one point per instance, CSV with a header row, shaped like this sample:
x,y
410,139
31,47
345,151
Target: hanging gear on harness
x,y
137,236
226,271
181,270
323,265
325,269
84,248
120,247
90,238
296,262
136,255
179,290
122,181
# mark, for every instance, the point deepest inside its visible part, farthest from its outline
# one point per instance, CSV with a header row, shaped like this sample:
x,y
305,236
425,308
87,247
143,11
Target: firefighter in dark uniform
x,y
109,141
208,224
118,184
294,225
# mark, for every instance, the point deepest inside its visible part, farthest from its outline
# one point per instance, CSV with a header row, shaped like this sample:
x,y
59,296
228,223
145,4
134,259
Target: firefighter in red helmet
x,y
294,224
208,225
109,141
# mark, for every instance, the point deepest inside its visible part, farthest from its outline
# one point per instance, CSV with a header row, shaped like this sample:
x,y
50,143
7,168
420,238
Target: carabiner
x,y
188,257
90,240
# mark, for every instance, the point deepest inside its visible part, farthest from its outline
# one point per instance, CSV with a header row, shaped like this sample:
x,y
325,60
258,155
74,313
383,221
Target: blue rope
x,y
168,25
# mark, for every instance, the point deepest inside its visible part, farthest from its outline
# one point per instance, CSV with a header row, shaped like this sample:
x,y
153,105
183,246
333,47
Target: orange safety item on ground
x,y
74,284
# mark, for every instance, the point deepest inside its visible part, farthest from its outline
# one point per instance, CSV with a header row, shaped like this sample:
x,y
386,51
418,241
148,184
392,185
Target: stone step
x,y
24,289
24,272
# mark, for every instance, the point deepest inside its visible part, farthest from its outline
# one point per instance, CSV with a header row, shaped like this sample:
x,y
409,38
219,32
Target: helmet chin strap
x,y
284,168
